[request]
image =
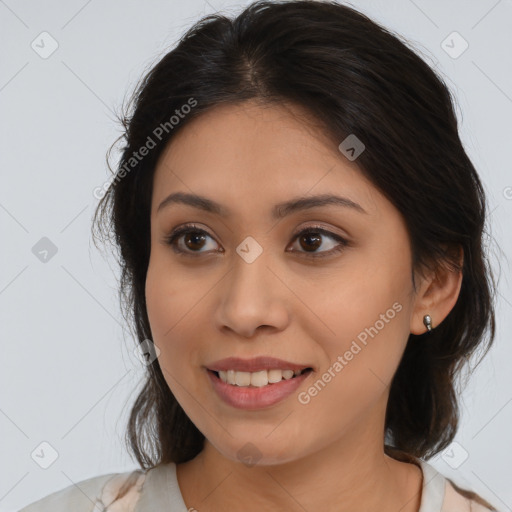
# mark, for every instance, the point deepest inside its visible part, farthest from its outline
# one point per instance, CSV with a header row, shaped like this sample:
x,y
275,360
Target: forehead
x,y
250,153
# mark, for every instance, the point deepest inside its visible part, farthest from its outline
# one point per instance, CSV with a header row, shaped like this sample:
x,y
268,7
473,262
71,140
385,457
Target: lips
x,y
258,397
255,364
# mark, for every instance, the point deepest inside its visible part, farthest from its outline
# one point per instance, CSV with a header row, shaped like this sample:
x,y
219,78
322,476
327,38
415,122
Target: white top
x,y
157,490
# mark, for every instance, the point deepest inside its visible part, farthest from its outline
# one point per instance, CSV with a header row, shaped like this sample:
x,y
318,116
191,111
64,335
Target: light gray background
x,y
67,371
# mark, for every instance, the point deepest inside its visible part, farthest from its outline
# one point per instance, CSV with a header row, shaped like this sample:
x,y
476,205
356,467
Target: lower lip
x,y
254,397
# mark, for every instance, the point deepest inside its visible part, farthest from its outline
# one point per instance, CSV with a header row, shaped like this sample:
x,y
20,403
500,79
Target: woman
x,y
300,232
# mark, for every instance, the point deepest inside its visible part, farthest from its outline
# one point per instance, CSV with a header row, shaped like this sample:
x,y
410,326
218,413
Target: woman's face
x,y
247,286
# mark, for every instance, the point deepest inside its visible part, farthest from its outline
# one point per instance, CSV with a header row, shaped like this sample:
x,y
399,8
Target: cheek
x,y
171,296
361,360
172,330
363,333
364,299
174,315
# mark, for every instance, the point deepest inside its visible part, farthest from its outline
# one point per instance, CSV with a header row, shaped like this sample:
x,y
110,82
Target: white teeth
x,y
287,374
256,379
259,379
242,378
275,376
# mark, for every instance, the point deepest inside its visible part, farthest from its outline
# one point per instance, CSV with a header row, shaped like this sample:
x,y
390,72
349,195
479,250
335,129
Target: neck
x,y
342,477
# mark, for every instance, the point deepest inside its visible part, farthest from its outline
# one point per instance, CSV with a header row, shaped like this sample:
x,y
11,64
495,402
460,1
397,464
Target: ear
x,y
437,294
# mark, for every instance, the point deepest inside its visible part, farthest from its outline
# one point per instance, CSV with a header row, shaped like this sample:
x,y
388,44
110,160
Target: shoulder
x,y
441,494
457,498
114,492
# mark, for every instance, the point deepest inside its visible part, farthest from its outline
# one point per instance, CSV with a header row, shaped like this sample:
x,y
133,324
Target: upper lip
x,y
255,364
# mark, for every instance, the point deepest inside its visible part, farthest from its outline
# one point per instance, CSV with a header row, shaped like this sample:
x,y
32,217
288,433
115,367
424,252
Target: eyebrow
x,y
279,210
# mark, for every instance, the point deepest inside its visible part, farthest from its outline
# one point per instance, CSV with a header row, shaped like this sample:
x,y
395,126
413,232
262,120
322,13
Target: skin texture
x,y
328,454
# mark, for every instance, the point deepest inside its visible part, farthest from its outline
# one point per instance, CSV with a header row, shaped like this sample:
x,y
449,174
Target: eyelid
x,y
328,231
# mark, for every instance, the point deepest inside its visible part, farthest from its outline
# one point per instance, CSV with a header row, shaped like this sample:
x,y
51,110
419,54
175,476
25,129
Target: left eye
x,y
314,235
309,238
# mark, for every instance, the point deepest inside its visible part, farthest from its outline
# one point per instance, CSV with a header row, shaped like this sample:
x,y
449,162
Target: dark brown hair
x,y
354,77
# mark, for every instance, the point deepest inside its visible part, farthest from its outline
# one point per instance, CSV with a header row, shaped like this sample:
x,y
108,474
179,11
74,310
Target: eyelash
x,y
191,228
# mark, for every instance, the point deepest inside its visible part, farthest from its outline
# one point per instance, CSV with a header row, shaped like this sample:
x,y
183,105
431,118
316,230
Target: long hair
x,y
354,77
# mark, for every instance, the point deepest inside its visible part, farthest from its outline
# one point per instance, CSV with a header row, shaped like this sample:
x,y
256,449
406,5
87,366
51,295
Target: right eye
x,y
191,238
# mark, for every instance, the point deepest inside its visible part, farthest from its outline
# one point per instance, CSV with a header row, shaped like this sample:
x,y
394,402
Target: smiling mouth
x,y
257,379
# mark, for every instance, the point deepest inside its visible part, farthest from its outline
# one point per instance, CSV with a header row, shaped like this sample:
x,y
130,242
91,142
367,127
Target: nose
x,y
253,296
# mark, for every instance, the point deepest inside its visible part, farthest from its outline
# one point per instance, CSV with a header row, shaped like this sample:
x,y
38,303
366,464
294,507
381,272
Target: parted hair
x,y
354,77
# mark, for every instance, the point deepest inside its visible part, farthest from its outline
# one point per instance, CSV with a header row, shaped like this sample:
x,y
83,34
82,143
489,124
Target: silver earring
x,y
427,320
